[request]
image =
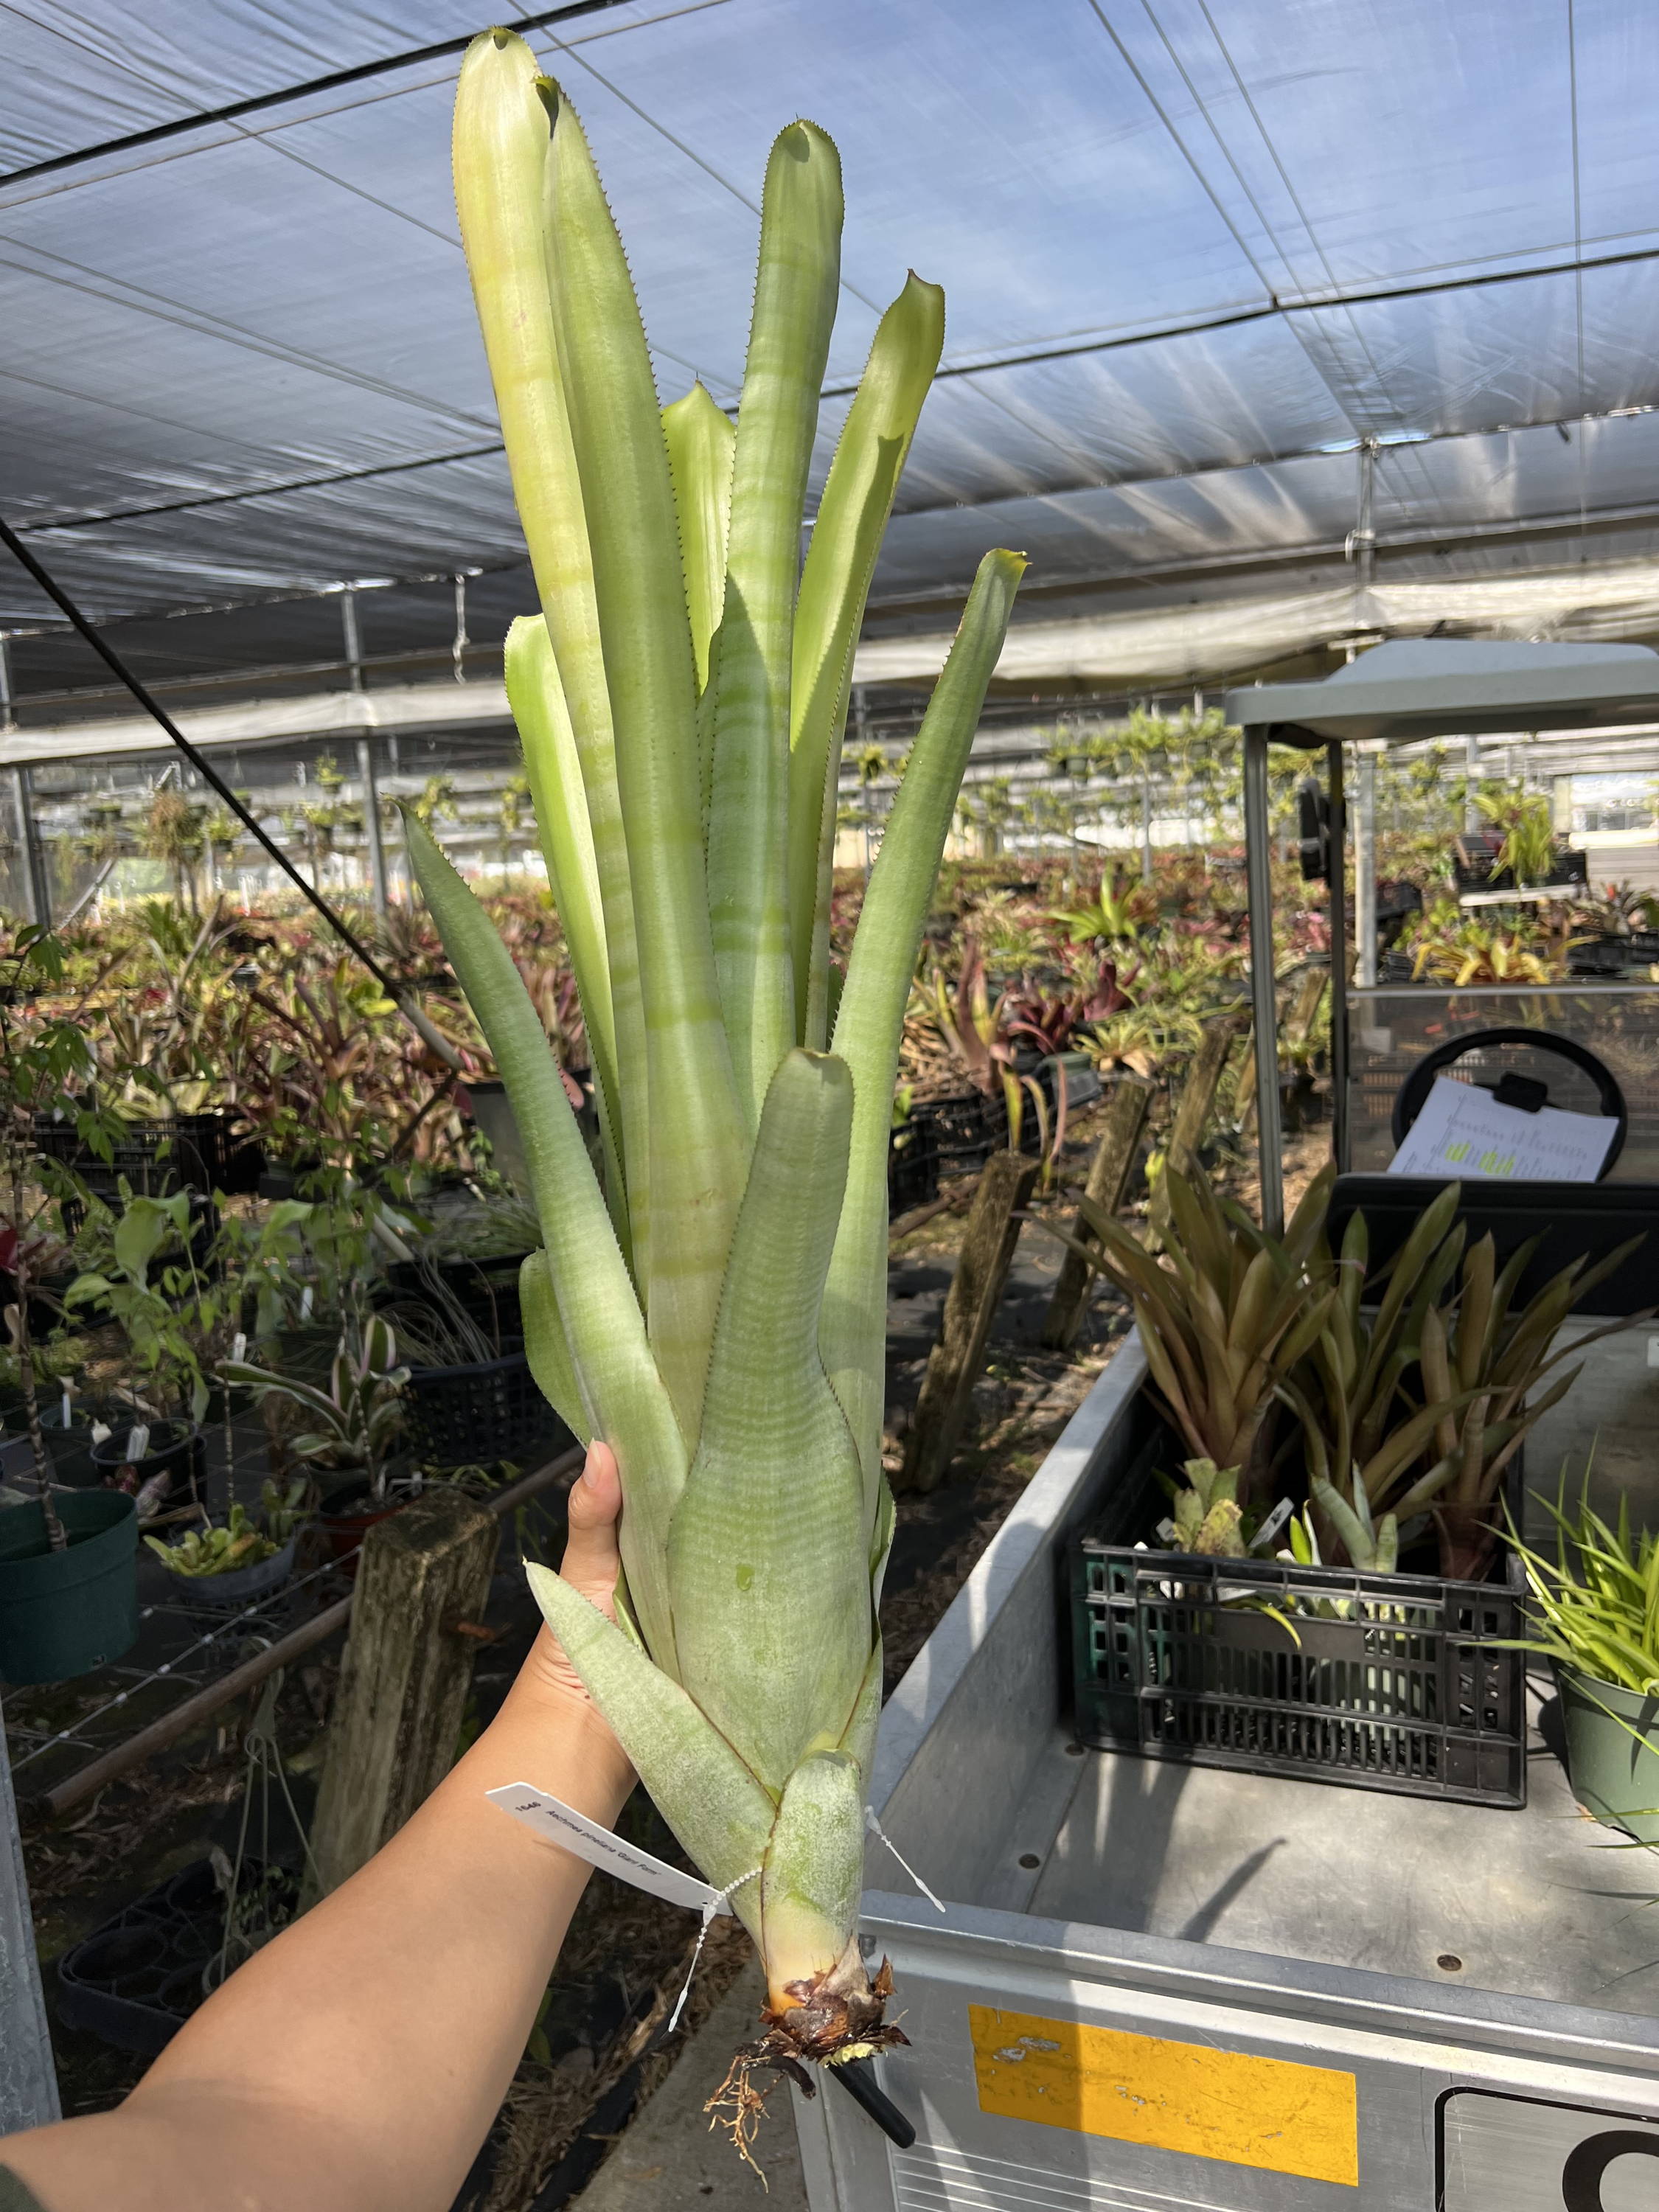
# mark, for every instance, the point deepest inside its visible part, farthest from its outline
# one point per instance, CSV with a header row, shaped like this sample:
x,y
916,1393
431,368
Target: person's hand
x,y
590,1564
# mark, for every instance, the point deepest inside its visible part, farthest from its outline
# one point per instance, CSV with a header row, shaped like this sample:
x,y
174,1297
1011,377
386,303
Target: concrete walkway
x,y
669,2162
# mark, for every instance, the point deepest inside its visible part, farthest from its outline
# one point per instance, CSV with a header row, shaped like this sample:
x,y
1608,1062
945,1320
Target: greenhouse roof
x,y
1214,267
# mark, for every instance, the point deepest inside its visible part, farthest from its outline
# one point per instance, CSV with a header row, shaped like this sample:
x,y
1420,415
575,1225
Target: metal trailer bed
x,y
1158,1988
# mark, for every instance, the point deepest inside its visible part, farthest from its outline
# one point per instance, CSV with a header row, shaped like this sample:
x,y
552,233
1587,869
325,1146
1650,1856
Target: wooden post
x,y
1192,1116
403,1683
971,1307
1108,1186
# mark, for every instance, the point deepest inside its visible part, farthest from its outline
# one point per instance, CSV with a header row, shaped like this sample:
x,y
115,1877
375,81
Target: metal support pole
x,y
371,822
354,642
1472,777
1364,873
1339,888
1264,1004
458,650
1364,536
1145,831
28,841
28,2081
7,711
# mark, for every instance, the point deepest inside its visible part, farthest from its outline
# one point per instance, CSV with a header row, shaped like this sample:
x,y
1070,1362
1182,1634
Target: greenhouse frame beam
x,y
259,103
1258,875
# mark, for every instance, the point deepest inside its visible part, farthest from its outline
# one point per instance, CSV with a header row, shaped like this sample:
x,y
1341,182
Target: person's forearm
x,y
355,2064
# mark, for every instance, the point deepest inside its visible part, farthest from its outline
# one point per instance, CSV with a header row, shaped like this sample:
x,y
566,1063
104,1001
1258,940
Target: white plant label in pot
x,y
138,1442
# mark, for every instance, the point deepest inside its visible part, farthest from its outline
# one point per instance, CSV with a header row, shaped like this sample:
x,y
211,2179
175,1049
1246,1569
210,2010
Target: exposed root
x,y
827,2025
748,2108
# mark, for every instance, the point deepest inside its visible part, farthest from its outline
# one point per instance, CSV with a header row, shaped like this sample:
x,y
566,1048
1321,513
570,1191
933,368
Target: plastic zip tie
x,y
881,1835
720,1902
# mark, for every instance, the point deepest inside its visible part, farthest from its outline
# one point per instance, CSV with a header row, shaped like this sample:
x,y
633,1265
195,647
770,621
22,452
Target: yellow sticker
x,y
1228,2105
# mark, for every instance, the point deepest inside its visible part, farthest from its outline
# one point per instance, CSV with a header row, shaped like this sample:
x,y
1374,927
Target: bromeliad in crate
x,y
1338,1423
715,1310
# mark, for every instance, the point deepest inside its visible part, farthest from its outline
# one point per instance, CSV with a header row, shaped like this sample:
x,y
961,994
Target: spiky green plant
x,y
716,1310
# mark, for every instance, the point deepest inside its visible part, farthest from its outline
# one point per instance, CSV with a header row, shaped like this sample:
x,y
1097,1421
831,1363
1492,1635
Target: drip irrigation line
x,y
399,993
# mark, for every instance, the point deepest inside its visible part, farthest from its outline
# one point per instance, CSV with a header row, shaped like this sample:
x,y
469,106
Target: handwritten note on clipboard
x,y
1464,1131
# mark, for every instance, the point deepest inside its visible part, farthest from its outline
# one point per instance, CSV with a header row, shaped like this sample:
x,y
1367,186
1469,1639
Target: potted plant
x,y
68,1591
1597,1608
224,1568
470,1398
356,1420
146,1275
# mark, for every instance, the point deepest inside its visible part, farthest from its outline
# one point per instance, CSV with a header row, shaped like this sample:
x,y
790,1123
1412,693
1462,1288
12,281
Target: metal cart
x,y
1404,691
1160,1988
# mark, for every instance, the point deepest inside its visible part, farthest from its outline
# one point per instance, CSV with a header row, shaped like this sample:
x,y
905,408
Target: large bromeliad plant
x,y
715,1310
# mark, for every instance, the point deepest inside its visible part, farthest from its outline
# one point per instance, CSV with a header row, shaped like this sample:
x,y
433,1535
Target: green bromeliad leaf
x,y
768,1575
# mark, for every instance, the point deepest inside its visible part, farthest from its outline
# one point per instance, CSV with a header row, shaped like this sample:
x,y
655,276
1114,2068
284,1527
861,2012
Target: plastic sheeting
x,y
1195,251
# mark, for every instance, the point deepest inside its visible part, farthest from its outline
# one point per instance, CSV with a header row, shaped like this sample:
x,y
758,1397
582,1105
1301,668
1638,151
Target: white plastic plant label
x,y
239,1345
574,1832
138,1442
1274,1522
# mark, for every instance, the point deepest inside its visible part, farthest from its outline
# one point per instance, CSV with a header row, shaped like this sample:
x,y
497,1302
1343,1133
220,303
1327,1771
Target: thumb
x,y
591,1562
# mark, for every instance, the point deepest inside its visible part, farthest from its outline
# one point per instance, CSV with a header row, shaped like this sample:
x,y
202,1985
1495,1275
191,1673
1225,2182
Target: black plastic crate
x,y
135,1981
1407,1690
966,1129
1599,957
912,1167
486,1290
191,1151
479,1414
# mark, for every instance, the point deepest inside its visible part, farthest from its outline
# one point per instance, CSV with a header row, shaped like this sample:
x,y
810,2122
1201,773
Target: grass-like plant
x,y
1597,1602
716,1311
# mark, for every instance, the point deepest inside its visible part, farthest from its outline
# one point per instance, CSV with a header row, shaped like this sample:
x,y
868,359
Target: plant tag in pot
x,y
137,1441
306,1298
1271,1527
65,1406
239,1345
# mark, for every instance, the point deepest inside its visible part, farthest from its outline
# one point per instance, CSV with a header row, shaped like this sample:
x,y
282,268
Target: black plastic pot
x,y
175,1448
64,1613
478,1414
238,1586
71,1446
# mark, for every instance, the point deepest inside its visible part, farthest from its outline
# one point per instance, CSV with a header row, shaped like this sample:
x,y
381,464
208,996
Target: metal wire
x,y
170,1669
397,993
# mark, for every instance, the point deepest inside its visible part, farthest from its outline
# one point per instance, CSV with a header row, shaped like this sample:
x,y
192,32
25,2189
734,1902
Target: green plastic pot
x,y
64,1613
1612,1751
